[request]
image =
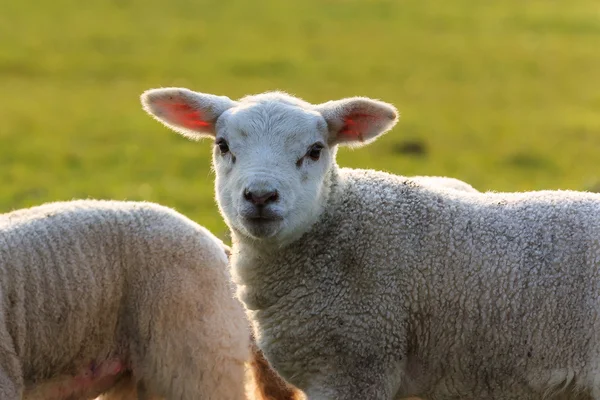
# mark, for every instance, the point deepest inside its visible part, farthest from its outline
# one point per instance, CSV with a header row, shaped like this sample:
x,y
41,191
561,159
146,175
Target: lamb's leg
x,y
347,394
142,391
190,342
127,389
353,378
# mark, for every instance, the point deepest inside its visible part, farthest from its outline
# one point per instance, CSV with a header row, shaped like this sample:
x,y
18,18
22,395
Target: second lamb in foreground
x,y
130,300
366,285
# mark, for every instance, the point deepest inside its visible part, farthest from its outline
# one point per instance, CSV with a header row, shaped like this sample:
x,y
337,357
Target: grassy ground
x,y
503,94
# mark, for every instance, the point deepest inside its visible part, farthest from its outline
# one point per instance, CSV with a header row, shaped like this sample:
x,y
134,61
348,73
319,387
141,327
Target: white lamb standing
x,y
365,285
123,298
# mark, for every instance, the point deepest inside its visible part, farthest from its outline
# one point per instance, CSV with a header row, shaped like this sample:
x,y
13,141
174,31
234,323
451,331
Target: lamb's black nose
x,y
261,198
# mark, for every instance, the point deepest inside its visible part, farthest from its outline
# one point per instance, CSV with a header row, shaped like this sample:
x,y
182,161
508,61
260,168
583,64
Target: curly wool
x,y
365,285
404,288
132,291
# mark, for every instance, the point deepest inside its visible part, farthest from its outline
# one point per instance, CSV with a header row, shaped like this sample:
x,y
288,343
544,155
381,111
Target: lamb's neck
x,y
262,270
254,260
258,273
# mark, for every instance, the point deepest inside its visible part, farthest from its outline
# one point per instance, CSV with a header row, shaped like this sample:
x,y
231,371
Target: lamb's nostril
x,y
273,197
248,195
260,198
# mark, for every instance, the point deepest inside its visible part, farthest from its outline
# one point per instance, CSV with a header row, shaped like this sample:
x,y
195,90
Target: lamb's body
x,y
99,293
365,285
409,289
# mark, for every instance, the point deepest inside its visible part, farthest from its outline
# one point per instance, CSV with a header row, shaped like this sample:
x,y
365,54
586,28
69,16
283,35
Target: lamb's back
x,y
437,220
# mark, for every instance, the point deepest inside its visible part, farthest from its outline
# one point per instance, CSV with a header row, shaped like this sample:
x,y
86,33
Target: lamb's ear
x,y
356,121
190,113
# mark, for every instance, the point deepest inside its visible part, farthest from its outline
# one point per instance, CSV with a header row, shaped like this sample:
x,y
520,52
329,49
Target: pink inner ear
x,y
184,115
355,126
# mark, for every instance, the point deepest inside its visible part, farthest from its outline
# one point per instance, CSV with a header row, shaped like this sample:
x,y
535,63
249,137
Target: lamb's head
x,y
273,152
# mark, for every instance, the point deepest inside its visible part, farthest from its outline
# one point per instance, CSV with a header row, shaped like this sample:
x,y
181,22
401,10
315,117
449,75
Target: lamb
x,y
361,284
123,298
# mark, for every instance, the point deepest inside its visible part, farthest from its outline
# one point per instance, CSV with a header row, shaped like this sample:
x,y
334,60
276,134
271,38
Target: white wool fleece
x,y
365,285
120,298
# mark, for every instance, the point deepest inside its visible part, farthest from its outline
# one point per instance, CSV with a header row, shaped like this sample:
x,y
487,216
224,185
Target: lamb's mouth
x,y
262,220
260,215
262,226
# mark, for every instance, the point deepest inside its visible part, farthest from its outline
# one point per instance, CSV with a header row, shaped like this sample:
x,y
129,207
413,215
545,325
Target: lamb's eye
x,y
223,146
315,151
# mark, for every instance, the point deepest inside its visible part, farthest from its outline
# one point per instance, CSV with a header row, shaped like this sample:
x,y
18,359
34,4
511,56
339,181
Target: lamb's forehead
x,y
275,97
276,114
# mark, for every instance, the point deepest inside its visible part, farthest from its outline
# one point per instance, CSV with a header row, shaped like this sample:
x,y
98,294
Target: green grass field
x,y
502,94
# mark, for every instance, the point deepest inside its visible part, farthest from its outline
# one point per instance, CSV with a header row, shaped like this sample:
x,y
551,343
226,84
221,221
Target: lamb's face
x,y
270,160
272,151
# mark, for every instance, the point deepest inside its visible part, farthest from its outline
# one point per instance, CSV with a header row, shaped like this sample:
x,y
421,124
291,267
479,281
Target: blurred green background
x,y
502,94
